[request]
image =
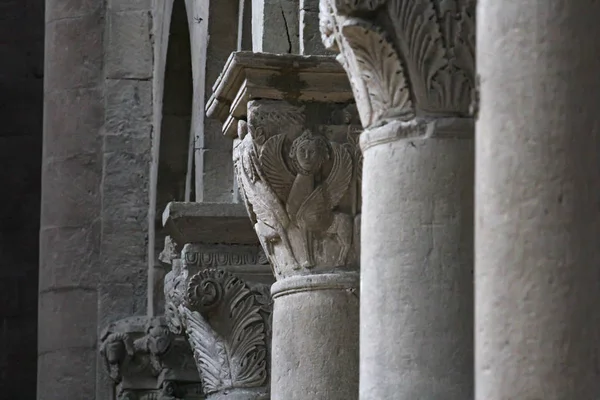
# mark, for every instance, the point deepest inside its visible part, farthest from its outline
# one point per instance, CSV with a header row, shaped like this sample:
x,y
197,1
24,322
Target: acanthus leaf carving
x,y
294,182
431,43
377,64
224,319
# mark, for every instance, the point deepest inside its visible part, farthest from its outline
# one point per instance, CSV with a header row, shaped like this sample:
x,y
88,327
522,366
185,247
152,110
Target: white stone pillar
x,y
416,318
537,201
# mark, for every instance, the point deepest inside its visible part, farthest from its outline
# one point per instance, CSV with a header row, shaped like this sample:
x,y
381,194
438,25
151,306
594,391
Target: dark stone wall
x,y
21,116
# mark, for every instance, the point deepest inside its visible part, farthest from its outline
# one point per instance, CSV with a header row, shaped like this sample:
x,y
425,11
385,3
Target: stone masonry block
x,y
71,190
73,118
115,302
69,318
59,9
129,52
217,176
67,373
309,5
129,5
128,108
310,35
213,136
71,256
74,53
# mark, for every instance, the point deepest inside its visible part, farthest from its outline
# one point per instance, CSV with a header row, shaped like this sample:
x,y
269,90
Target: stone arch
x,y
173,100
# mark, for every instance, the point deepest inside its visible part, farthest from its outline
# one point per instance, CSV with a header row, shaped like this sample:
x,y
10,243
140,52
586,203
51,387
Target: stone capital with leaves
x,y
404,58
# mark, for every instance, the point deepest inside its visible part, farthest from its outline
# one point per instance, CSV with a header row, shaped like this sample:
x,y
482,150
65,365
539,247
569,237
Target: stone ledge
x,y
208,223
249,76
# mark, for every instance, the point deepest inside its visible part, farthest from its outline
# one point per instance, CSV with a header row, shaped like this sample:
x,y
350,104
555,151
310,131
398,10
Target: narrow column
x,y
300,189
537,196
416,313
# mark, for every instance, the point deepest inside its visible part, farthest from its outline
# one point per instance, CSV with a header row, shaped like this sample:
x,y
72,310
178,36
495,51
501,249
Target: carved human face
x,y
309,155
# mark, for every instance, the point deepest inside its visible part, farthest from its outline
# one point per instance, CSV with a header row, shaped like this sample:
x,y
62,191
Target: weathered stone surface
x,y
275,26
292,78
208,223
65,326
70,256
537,216
128,107
434,72
227,323
71,189
315,337
310,34
85,36
141,354
217,176
129,51
300,189
67,374
63,9
129,5
86,115
412,66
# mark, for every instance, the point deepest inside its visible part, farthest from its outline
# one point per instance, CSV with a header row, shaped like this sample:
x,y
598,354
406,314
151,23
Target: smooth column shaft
x,y
315,338
416,339
538,201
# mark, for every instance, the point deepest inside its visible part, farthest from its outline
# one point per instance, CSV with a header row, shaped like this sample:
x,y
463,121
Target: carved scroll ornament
x,y
227,322
300,189
404,57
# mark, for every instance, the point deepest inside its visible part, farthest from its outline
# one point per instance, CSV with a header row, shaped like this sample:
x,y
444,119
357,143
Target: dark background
x,y
21,121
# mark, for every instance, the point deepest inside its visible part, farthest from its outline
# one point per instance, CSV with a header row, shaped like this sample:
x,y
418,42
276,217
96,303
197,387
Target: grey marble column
x,y
537,196
416,312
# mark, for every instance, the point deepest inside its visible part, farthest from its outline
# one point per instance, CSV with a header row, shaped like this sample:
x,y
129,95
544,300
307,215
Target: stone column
x,y
416,315
298,168
538,175
70,231
293,183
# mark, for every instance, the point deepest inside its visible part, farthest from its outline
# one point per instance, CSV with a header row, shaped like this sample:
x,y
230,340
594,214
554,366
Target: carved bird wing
x,y
274,167
265,203
338,181
209,352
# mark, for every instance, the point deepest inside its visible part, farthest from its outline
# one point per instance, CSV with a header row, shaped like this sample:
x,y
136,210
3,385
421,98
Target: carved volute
x,y
404,58
301,186
226,320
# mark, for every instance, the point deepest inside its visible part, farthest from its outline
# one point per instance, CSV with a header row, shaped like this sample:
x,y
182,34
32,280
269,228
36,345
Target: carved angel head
x,y
309,152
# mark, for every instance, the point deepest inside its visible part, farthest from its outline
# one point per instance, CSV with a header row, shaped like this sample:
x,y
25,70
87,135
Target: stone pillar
x,y
71,200
299,188
298,168
416,317
227,319
217,295
538,175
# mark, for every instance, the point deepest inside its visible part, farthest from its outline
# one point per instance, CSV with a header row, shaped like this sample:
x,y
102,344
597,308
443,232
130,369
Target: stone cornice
x,y
404,58
208,223
293,78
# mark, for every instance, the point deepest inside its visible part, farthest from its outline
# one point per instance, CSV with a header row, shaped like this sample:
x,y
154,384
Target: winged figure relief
x,y
267,213
311,185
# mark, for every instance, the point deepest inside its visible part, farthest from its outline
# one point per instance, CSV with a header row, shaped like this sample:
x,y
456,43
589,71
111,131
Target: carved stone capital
x,y
143,357
227,321
404,58
301,186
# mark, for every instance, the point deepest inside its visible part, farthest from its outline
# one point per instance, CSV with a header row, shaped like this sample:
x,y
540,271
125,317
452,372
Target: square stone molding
x,y
293,78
